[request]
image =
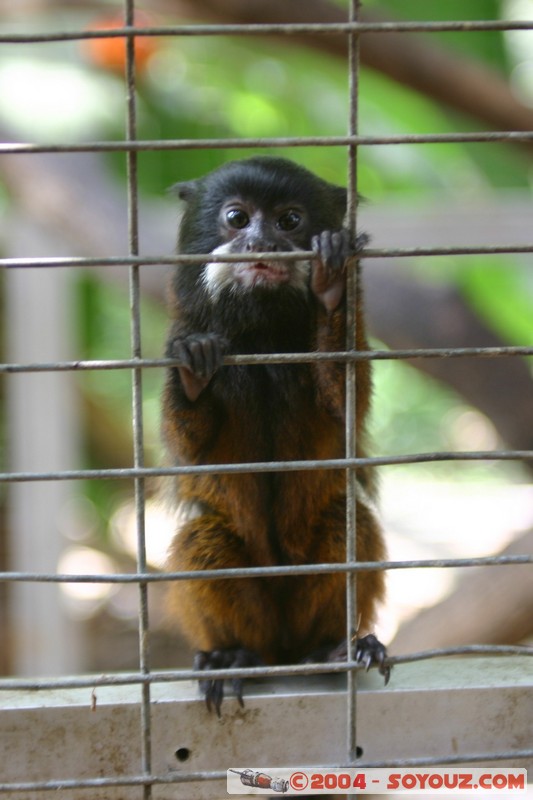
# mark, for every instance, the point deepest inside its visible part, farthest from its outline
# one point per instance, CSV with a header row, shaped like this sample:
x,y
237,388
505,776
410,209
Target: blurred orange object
x,y
110,53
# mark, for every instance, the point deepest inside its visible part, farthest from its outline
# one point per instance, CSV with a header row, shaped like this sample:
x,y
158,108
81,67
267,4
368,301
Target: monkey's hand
x,y
367,651
328,270
200,355
227,658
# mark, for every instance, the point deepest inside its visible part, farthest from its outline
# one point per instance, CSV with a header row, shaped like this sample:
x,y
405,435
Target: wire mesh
x,y
132,146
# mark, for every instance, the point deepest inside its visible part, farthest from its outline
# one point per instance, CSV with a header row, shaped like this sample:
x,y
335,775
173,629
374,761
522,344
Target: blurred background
x,y
75,204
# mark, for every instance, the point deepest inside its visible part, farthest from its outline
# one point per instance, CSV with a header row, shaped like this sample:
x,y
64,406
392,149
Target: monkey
x,y
214,413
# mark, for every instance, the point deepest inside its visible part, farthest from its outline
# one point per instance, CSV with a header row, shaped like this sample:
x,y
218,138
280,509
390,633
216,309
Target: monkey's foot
x,y
227,658
370,652
367,651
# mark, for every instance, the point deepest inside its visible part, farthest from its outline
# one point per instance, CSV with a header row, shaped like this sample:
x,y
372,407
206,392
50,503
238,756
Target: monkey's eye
x,y
289,220
237,218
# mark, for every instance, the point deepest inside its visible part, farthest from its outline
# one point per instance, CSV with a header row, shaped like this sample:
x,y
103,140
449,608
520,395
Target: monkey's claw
x,y
371,653
368,651
228,658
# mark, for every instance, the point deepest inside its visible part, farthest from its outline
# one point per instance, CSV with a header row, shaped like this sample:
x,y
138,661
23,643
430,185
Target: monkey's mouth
x,y
262,273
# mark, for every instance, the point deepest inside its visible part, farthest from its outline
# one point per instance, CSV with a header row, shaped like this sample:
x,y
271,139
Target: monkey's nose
x,y
261,246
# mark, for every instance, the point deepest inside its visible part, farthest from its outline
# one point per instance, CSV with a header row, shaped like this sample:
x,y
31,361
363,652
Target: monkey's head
x,y
261,205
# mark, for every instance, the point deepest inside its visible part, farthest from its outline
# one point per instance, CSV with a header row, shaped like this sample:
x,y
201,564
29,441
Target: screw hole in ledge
x,y
358,752
183,754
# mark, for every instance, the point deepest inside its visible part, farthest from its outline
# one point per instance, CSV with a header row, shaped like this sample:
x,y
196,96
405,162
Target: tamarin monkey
x,y
213,414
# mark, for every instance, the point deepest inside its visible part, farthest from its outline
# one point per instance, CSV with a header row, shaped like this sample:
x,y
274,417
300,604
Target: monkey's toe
x,y
227,658
371,653
368,651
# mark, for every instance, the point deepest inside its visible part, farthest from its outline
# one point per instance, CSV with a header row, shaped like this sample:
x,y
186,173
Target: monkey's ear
x,y
341,198
339,201
185,190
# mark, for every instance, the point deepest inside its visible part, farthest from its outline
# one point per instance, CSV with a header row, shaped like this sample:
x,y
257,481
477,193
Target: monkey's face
x,y
246,226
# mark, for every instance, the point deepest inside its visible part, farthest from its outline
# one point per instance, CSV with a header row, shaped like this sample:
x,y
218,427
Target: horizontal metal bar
x,y
264,142
204,776
258,572
274,358
266,466
301,255
102,783
288,29
284,670
177,778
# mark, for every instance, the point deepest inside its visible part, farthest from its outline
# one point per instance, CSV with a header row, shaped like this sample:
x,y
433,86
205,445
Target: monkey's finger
x,y
315,244
328,244
205,689
213,691
216,694
365,658
340,250
206,354
385,670
179,350
199,361
200,660
237,686
334,248
361,241
212,355
203,660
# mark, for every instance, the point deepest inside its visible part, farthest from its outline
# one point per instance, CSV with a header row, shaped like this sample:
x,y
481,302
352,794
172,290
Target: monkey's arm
x,y
191,413
328,284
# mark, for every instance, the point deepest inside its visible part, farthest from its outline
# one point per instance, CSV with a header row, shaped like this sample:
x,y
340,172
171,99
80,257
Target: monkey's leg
x,y
231,622
318,605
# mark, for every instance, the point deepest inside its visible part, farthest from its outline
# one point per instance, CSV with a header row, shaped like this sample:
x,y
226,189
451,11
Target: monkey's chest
x,y
273,414
278,423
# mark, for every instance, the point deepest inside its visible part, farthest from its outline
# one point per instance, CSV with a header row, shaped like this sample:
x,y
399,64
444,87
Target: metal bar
x,y
351,388
288,29
294,670
138,437
325,568
157,260
176,779
278,358
266,142
268,466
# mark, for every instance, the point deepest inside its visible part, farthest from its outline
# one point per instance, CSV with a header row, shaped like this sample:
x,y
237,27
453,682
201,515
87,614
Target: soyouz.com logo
x,y
309,781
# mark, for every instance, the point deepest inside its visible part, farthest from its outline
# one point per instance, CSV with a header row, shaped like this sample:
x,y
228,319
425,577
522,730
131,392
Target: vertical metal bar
x,y
351,445
138,444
